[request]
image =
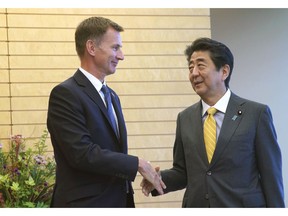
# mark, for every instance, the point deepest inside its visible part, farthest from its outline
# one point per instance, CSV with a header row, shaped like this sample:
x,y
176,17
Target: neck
x,y
212,99
100,76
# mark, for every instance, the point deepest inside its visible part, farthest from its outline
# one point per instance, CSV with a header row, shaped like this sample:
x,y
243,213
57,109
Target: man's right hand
x,y
151,178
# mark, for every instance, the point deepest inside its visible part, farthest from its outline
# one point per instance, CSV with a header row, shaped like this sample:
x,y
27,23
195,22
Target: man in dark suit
x,y
90,145
246,166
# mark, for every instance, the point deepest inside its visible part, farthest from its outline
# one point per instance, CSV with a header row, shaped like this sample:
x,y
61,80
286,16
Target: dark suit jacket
x,y
93,168
246,168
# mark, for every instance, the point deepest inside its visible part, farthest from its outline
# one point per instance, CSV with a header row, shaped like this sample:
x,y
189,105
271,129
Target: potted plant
x,y
27,175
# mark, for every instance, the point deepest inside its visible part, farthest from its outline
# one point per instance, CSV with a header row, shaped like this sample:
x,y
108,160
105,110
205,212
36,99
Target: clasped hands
x,y
151,178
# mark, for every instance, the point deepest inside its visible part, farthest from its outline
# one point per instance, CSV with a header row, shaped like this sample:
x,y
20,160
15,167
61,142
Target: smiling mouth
x,y
115,64
197,83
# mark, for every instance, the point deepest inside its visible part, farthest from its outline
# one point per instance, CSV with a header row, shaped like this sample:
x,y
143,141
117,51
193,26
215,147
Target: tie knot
x,y
104,89
211,111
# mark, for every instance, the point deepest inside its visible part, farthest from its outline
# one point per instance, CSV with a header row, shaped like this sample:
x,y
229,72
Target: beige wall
x,y
37,52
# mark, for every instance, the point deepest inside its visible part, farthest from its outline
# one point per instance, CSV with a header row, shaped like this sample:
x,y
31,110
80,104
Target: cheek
x,y
190,76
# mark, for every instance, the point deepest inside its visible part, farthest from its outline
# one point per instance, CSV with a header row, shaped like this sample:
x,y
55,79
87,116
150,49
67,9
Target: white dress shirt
x,y
98,85
221,107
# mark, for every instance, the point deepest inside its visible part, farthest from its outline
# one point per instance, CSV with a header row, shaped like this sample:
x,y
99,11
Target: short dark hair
x,y
92,28
219,53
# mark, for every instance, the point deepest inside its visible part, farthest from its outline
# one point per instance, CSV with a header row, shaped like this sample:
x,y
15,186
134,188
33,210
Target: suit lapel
x,y
231,122
90,90
196,132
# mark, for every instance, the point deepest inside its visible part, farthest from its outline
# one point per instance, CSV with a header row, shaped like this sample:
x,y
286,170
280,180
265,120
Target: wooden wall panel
x,y
114,11
5,117
164,154
3,61
63,62
4,76
154,114
150,128
4,90
29,103
3,48
5,109
5,131
142,35
121,75
131,88
132,115
151,141
37,52
40,75
28,130
158,101
29,117
67,48
127,101
4,104
3,34
138,22
2,20
31,89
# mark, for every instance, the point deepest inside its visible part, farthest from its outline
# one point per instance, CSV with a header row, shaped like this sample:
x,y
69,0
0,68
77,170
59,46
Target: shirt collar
x,y
221,105
95,82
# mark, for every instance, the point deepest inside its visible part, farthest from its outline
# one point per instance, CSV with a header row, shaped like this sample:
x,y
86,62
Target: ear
x,y
225,71
90,47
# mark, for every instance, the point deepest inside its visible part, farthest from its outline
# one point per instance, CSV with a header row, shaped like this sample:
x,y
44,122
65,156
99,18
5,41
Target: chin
x,y
199,91
112,71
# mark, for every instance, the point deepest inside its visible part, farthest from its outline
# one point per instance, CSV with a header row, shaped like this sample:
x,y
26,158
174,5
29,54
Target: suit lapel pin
x,y
239,113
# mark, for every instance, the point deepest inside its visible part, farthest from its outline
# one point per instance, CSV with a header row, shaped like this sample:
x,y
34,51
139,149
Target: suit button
x,y
206,196
209,173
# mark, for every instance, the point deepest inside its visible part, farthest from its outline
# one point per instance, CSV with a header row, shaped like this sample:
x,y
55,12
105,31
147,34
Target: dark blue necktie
x,y
108,101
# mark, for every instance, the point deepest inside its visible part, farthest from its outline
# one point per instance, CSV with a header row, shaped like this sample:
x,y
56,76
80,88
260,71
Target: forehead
x,y
200,56
112,36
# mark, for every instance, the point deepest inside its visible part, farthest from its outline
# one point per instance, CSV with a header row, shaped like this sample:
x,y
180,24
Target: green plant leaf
x,y
29,204
30,182
4,179
15,186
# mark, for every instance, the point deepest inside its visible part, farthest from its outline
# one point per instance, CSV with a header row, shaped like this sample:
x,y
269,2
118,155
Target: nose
x,y
194,72
120,55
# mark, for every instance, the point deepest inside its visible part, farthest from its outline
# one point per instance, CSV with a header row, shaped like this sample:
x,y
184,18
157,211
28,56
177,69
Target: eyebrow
x,y
197,60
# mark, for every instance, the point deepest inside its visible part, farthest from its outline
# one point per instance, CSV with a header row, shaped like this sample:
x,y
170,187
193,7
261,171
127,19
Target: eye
x,y
191,68
201,66
116,48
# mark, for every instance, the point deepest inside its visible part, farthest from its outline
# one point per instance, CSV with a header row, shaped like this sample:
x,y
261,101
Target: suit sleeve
x,y
175,178
269,160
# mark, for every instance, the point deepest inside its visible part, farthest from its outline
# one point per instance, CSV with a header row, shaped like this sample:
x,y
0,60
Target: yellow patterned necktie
x,y
210,133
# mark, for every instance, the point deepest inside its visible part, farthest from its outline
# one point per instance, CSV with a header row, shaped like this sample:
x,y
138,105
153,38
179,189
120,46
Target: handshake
x,y
151,178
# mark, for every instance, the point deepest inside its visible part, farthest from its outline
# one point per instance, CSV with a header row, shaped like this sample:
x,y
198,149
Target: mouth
x,y
115,64
197,83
